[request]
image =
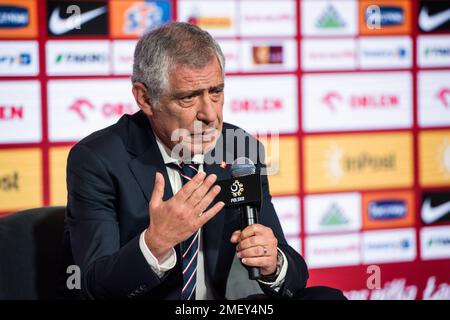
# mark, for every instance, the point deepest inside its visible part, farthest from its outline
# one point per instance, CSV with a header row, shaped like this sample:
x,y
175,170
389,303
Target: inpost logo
x,y
18,19
434,153
366,161
20,179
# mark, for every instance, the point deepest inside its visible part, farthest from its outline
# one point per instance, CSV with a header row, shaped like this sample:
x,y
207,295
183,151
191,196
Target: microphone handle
x,y
249,216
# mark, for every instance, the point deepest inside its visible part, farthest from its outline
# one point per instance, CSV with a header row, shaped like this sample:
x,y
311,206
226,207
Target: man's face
x,y
190,111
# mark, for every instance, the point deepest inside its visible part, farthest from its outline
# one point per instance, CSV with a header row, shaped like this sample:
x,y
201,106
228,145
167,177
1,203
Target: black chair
x,y
30,253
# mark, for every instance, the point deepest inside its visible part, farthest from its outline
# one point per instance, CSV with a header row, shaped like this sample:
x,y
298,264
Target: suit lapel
x,y
142,143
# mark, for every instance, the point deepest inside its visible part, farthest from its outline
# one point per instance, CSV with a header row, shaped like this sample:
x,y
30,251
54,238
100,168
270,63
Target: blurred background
x,y
359,91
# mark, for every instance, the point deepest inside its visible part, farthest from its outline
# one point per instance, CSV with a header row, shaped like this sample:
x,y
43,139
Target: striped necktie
x,y
189,247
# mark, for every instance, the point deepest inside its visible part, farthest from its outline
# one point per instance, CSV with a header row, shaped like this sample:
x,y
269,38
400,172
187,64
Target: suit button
x,y
289,293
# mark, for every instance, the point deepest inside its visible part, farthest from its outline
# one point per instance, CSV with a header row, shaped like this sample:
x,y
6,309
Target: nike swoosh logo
x,y
429,23
59,26
430,215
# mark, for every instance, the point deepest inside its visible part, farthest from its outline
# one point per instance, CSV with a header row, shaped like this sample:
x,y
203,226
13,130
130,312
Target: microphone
x,y
242,167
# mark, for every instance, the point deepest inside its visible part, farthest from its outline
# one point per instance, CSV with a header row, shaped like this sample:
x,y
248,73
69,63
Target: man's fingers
x,y
207,215
253,252
235,236
206,201
252,242
200,192
254,229
262,262
185,192
158,190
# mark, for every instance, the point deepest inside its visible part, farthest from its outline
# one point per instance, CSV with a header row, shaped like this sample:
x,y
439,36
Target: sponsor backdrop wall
x,y
359,90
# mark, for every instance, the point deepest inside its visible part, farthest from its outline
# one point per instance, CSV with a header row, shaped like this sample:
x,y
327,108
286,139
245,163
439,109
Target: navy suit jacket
x,y
110,177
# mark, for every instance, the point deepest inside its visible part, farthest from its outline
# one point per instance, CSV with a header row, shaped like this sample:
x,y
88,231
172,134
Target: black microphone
x,y
249,211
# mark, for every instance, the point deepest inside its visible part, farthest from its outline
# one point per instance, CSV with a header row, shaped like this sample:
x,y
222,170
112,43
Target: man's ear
x,y
140,94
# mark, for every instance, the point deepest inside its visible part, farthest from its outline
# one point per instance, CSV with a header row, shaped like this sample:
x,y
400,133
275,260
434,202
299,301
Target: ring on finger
x,y
264,251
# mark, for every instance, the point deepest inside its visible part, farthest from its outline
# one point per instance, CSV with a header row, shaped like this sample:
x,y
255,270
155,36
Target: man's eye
x,y
187,99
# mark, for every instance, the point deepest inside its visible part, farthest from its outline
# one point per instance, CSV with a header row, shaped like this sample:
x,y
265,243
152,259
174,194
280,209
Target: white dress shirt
x,y
203,291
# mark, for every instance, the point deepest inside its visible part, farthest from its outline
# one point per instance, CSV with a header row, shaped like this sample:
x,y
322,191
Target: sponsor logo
x,y
18,19
434,155
79,107
383,101
20,114
433,51
267,54
435,207
132,19
84,18
20,179
330,19
219,20
387,209
334,217
22,59
388,17
434,16
83,107
19,58
143,17
333,250
257,105
210,22
389,245
333,212
330,54
273,18
82,58
391,209
385,52
9,182
326,18
435,242
275,110
433,98
262,55
14,17
365,161
11,112
72,58
356,103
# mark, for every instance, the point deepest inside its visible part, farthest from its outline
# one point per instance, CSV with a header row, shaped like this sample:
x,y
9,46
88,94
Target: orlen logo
x,y
443,96
82,107
385,101
267,54
14,17
387,209
256,105
11,112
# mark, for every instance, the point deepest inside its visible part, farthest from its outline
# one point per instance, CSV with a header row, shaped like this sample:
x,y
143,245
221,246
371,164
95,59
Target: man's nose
x,y
207,112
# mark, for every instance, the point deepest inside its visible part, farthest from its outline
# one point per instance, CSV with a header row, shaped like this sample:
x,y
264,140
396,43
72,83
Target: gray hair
x,y
171,45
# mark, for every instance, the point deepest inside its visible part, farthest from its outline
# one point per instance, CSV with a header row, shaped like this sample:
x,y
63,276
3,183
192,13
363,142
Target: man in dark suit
x,y
142,220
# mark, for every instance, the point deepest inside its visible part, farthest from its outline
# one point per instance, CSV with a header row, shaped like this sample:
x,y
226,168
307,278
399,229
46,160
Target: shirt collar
x,y
167,158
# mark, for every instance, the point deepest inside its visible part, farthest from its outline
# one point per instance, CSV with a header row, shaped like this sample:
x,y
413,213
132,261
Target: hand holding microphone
x,y
256,245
